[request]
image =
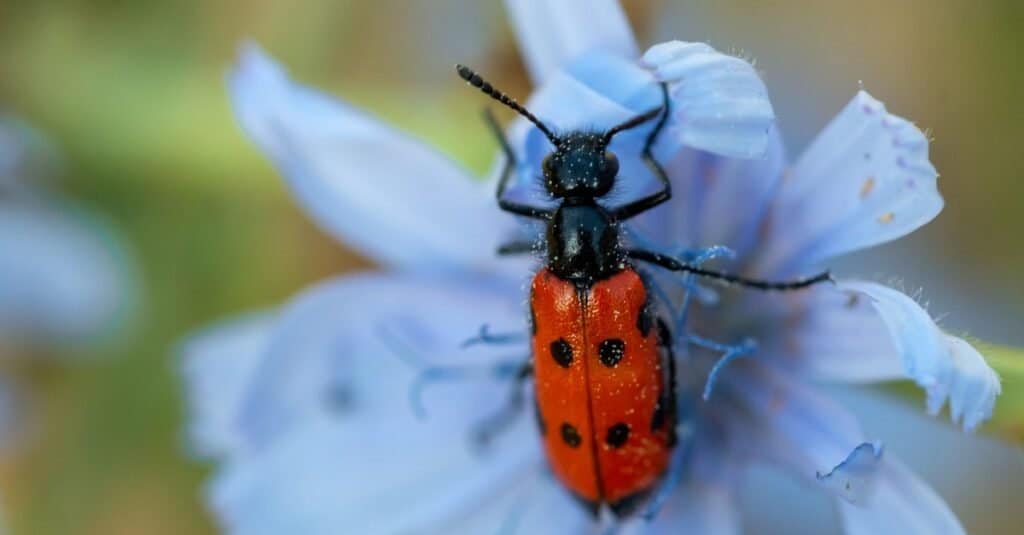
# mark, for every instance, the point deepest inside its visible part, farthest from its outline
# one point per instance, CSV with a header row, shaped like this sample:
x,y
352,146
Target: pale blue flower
x,y
63,275
307,407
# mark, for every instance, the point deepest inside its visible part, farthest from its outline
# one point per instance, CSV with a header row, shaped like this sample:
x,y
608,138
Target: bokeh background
x,y
132,94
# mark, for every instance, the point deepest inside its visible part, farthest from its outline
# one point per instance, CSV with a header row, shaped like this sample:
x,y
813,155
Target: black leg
x,y
642,205
517,247
672,264
485,431
506,173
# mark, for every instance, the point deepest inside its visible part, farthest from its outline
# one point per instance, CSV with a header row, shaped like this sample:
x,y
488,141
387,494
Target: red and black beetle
x,y
603,367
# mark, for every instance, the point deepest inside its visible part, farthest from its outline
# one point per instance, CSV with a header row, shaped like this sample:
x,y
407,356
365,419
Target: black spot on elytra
x,y
611,351
571,436
561,351
644,322
617,435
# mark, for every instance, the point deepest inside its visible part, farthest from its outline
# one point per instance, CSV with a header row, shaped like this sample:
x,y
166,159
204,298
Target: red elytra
x,y
600,381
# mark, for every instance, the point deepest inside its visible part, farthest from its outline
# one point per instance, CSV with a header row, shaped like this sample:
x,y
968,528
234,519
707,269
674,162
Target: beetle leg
x,y
485,431
485,336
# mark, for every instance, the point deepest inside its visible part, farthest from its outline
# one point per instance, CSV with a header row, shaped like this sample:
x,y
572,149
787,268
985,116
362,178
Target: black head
x,y
580,166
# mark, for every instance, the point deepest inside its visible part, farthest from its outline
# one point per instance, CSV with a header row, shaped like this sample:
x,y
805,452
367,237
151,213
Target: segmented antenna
x,y
635,121
478,82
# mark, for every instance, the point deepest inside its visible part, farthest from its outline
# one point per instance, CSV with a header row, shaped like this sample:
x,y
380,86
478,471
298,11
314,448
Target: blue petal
x,y
361,341
865,180
717,200
945,366
551,34
63,276
380,191
854,479
719,103
708,508
389,474
899,503
321,416
791,424
829,334
218,365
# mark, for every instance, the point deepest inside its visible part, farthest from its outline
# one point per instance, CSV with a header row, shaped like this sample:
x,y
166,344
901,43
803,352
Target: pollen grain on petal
x,y
867,187
886,218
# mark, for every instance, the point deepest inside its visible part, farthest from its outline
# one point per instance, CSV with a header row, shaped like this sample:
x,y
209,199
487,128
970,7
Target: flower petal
x,y
945,366
62,274
378,190
340,346
333,437
386,475
854,479
698,507
218,365
901,503
829,334
551,34
865,180
719,103
791,424
717,200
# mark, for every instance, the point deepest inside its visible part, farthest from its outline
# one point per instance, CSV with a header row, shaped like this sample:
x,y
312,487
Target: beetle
x,y
602,362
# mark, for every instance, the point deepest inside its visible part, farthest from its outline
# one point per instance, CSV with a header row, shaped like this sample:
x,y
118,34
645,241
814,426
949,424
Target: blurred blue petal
x,y
391,474
699,507
63,277
854,479
865,180
384,193
716,200
551,34
899,503
531,503
719,103
945,366
792,424
341,345
218,365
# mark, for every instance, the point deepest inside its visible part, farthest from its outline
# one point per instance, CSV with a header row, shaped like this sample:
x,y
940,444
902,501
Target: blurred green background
x,y
133,95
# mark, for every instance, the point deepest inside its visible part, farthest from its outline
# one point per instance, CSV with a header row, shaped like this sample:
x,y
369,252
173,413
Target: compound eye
x,y
548,165
611,164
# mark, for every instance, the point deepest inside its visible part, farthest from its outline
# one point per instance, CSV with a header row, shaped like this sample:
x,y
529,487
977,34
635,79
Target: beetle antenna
x,y
477,81
632,123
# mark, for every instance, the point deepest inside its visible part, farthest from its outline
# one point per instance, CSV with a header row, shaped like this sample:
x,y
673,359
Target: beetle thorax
x,y
583,243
